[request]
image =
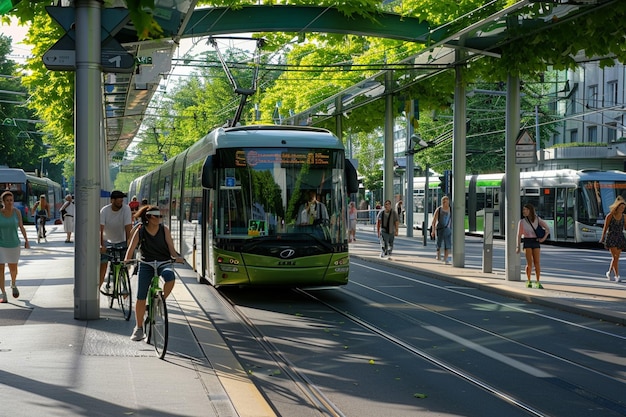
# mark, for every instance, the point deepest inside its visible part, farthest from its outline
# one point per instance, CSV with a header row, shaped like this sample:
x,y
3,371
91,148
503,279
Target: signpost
x,y
525,151
113,58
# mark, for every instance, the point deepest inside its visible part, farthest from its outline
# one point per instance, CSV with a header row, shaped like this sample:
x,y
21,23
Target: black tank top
x,y
153,248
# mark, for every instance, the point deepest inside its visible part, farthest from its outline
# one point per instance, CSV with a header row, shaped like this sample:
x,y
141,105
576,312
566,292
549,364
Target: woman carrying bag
x,y
534,231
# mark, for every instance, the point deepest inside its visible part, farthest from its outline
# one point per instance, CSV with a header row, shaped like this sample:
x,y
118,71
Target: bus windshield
x,y
280,193
597,197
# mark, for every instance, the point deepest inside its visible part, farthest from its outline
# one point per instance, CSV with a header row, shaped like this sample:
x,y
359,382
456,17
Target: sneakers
x,y
608,275
383,253
137,334
538,286
617,278
529,284
3,298
16,292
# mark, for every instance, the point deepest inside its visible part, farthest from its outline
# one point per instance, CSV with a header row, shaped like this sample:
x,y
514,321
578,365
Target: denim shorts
x,y
146,272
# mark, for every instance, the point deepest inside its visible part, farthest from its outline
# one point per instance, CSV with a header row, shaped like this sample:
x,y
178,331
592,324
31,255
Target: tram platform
x,y
54,365
594,297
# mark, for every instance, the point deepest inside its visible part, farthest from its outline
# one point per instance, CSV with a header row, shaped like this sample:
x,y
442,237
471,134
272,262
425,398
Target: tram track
x,y
317,399
323,402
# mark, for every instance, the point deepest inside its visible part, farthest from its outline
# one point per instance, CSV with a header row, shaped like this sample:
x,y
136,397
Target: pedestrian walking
x,y
10,221
613,235
68,212
533,231
352,216
441,226
387,228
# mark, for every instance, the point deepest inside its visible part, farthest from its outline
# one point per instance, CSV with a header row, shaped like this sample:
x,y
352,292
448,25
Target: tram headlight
x,y
341,265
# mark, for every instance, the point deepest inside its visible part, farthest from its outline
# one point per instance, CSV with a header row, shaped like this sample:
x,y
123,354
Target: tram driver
x,y
312,212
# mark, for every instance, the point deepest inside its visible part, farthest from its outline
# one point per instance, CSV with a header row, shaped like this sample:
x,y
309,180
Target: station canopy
x,y
481,33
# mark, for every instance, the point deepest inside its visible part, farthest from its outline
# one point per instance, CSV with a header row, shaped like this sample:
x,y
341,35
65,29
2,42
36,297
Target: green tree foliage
x,y
21,144
320,65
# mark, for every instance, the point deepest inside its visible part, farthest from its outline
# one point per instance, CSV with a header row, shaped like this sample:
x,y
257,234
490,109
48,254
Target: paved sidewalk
x,y
599,298
54,365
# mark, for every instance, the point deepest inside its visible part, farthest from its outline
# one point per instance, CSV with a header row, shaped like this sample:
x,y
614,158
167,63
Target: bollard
x,y
488,241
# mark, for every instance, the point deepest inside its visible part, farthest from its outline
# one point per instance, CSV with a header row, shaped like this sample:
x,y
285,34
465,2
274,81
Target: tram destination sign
x,y
284,158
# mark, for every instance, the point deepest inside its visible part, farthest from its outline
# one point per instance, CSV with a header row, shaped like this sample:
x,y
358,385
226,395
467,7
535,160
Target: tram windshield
x,y
280,193
597,197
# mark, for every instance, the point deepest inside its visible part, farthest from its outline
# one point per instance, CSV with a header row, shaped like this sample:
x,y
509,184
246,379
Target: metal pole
x,y
388,135
426,205
512,193
88,118
410,165
458,166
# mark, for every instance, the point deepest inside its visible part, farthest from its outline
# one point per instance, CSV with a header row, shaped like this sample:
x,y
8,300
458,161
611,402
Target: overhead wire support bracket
x,y
244,92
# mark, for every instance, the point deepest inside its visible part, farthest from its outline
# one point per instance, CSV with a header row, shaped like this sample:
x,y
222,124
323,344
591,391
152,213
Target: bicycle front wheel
x,y
124,294
159,328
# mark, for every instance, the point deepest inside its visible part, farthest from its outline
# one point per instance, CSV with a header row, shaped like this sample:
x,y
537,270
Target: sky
x,y
17,33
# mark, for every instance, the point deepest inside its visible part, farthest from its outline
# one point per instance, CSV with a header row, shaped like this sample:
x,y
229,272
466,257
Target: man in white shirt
x,y
115,226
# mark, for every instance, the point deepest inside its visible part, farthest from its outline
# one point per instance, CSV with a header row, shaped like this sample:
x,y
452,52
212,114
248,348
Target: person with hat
x,y
154,242
115,226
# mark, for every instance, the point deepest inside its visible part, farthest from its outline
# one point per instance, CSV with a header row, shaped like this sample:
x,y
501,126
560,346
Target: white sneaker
x,y
617,278
137,334
608,275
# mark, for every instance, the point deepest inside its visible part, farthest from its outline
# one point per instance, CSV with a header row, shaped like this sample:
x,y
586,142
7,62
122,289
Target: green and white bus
x,y
233,199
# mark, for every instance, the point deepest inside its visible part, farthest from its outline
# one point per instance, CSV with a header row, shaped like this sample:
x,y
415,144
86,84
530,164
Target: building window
x,y
592,96
592,134
611,93
611,132
573,136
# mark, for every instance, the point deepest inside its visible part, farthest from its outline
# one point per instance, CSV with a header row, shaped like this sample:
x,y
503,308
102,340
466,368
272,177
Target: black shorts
x,y
531,243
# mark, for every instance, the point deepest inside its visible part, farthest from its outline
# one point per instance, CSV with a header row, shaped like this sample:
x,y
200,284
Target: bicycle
x,y
117,285
41,228
156,323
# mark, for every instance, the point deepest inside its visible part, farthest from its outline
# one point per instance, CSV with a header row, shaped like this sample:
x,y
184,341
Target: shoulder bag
x,y
540,232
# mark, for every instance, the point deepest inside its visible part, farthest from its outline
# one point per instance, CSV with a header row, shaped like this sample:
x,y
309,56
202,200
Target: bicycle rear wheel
x,y
159,327
124,294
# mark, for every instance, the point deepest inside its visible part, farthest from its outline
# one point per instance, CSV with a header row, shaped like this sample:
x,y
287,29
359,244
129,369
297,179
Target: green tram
x,y
233,199
573,203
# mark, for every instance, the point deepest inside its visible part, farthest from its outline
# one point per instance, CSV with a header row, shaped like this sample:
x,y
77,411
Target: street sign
x,y
113,57
525,150
61,56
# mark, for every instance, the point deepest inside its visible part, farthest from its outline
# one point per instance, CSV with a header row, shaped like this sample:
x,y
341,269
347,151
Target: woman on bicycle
x,y
41,210
154,242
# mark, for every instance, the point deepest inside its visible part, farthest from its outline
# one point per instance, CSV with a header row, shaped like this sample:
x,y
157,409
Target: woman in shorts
x,y
10,221
526,232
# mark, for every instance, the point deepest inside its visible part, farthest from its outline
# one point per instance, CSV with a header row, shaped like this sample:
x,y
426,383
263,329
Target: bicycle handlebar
x,y
153,264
